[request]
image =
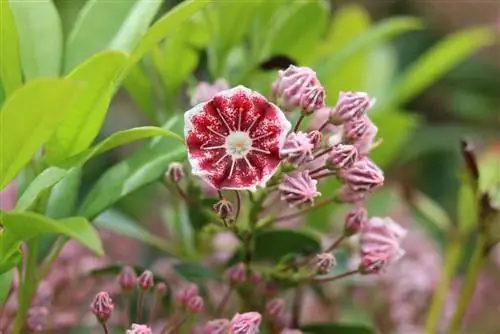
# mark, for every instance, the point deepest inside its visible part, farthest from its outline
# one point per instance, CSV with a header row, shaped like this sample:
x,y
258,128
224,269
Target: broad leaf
x,y
28,118
44,181
40,37
10,65
10,259
440,59
467,214
98,75
431,210
22,226
140,89
97,24
135,25
272,245
337,328
195,273
64,196
5,285
166,26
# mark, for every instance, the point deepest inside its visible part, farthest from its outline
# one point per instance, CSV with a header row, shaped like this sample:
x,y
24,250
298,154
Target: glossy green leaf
x,y
431,210
64,196
28,118
114,270
5,285
272,245
382,66
166,26
178,219
196,273
135,25
40,37
121,224
437,61
337,328
467,214
22,226
44,181
140,89
10,65
83,122
10,259
97,24
144,167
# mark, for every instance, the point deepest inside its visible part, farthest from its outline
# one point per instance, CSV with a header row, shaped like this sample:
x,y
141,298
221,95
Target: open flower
x,y
234,139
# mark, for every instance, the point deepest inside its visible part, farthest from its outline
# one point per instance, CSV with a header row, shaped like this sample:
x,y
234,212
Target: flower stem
x,y
176,326
51,258
336,277
452,260
238,206
335,244
140,305
223,302
301,212
299,121
323,152
319,169
469,285
155,308
126,307
105,328
322,176
181,193
323,126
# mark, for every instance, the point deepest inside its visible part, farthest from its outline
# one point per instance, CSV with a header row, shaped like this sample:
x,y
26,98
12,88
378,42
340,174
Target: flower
x,y
380,243
298,148
350,105
175,172
146,280
275,307
325,263
246,323
298,87
195,304
363,175
347,195
355,128
342,156
224,208
315,137
127,279
234,139
217,326
365,143
355,219
237,273
102,306
139,329
204,91
161,288
188,292
298,188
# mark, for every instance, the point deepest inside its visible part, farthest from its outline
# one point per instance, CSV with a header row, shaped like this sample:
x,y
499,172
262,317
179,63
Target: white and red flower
x,y
234,139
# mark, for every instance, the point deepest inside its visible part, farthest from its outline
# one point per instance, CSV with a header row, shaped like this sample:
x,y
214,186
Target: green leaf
x,y
195,273
64,196
10,65
40,37
82,124
11,259
146,166
165,26
22,226
272,245
5,285
115,269
140,89
437,61
177,217
121,224
431,210
44,181
97,24
135,25
28,119
337,329
467,214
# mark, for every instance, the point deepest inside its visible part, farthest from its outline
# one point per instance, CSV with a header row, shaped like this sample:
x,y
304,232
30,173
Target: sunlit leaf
x,y
10,65
5,285
64,196
140,89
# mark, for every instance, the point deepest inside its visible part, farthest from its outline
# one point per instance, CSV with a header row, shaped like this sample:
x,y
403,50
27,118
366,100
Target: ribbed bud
x,y
195,304
325,262
298,188
175,172
237,274
102,306
350,105
342,156
315,138
275,307
355,219
363,175
298,148
127,279
146,281
223,208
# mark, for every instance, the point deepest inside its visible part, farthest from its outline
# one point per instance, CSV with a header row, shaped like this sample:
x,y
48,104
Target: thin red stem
x,y
336,277
299,121
238,205
301,212
319,169
154,309
140,305
335,244
321,176
323,152
126,314
220,194
105,328
181,193
323,126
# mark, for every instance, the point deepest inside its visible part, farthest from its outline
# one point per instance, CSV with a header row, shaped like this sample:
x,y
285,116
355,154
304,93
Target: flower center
x,y
238,144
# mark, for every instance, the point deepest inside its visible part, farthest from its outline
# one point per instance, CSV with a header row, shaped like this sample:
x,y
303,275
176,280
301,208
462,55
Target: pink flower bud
x,y
365,143
298,188
224,208
355,128
298,148
217,326
315,137
102,306
342,156
246,323
325,262
139,329
373,263
36,318
175,172
347,195
186,293
204,91
355,219
363,175
161,288
127,279
270,289
275,307
146,280
298,87
195,304
350,105
291,331
255,278
237,273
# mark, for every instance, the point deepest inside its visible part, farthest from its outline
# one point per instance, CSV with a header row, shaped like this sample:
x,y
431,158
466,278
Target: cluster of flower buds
x,y
189,298
139,329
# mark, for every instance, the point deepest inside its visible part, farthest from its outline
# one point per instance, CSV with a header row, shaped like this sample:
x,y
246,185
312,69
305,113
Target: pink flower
x,y
355,219
315,137
350,105
355,128
195,304
380,243
365,143
146,280
36,318
246,323
217,326
298,148
234,139
342,156
298,188
102,306
325,262
204,91
237,273
139,329
127,279
175,172
275,307
347,195
186,293
298,87
363,175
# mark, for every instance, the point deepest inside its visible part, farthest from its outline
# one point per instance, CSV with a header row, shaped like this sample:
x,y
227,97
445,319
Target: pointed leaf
x,y
28,119
10,65
5,285
273,245
194,272
140,89
64,196
40,37
77,132
337,329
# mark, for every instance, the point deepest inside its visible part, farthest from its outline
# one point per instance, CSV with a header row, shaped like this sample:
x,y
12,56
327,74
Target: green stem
x,y
28,286
451,261
51,258
469,285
